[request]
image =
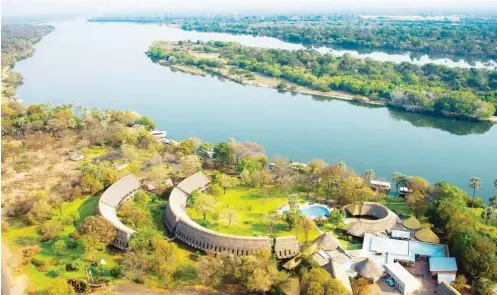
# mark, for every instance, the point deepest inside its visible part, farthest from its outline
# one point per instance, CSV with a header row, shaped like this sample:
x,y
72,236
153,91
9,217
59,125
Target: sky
x,y
26,8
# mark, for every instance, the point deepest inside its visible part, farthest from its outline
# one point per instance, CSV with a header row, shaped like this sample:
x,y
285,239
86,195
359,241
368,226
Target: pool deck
x,y
303,207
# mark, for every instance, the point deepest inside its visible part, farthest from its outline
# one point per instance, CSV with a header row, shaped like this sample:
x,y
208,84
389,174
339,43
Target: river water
x,y
104,65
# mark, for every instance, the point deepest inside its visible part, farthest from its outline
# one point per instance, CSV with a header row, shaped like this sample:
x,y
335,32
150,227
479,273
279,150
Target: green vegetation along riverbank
x,y
17,43
461,93
464,37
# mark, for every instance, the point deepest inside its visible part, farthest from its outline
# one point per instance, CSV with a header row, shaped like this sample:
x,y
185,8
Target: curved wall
x,y
193,234
122,190
385,222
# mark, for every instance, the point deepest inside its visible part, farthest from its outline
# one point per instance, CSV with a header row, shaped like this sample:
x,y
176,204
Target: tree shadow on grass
x,y
88,208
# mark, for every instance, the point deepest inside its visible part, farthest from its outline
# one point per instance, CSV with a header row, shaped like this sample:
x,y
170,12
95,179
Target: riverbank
x,y
216,63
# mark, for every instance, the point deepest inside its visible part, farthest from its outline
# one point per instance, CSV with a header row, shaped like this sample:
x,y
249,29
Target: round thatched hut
x,y
412,223
427,235
371,217
327,242
369,269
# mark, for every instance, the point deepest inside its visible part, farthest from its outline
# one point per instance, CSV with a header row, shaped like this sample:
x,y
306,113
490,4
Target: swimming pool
x,y
314,211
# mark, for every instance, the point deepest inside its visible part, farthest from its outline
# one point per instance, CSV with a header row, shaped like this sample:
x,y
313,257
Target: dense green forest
x,y
463,39
448,91
466,37
17,43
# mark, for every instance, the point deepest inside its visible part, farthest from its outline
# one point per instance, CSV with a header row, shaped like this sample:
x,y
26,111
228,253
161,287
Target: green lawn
x,y
21,235
398,205
251,207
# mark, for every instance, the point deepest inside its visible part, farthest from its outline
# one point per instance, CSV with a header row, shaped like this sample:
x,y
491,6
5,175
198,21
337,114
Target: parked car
x,y
390,281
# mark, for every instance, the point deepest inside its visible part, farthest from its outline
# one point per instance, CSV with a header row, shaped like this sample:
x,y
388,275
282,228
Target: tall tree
x,y
400,180
489,214
474,183
306,225
204,204
369,175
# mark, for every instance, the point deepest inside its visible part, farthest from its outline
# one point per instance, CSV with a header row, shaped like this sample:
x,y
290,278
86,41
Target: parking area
x,y
420,271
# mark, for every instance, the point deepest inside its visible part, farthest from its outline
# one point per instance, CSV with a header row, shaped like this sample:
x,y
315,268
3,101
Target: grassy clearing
x,y
398,205
251,207
21,235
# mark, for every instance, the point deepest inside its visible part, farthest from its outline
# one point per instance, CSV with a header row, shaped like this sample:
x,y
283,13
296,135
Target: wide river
x,y
104,65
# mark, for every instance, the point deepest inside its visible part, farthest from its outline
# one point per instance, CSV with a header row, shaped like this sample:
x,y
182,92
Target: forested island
x,y
462,37
463,93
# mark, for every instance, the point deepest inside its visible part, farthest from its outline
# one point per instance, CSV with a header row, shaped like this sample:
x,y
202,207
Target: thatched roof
x,y
445,289
338,273
310,250
353,209
357,229
369,269
385,219
327,242
412,223
426,235
193,182
292,263
286,247
111,199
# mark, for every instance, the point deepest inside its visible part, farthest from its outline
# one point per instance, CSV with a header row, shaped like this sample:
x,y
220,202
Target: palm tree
x,y
396,177
474,183
369,175
489,214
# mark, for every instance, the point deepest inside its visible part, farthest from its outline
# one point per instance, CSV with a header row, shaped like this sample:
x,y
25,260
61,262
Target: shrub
x,y
204,223
39,264
57,270
30,251
49,230
81,286
72,243
77,264
117,272
59,287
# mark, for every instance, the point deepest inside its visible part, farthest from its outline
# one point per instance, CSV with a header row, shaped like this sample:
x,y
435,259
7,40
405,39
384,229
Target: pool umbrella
x,y
412,223
426,235
369,269
327,242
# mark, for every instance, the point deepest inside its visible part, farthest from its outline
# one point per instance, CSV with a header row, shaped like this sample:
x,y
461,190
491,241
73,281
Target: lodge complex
x,y
391,247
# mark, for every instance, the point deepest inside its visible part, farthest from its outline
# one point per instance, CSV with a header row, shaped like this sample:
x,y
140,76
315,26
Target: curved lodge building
x,y
122,190
193,234
371,217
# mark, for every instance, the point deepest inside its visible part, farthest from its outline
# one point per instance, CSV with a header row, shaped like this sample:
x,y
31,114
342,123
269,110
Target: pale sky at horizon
x,y
94,7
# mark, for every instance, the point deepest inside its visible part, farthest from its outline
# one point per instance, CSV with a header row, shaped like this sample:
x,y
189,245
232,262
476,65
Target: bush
x,y
77,264
72,243
30,251
39,264
185,272
80,286
117,272
57,270
59,287
204,223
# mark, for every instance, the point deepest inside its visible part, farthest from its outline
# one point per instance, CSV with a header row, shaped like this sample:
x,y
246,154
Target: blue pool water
x,y
315,211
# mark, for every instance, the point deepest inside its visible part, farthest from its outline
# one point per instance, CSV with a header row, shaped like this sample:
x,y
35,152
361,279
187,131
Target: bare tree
x,y
229,214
